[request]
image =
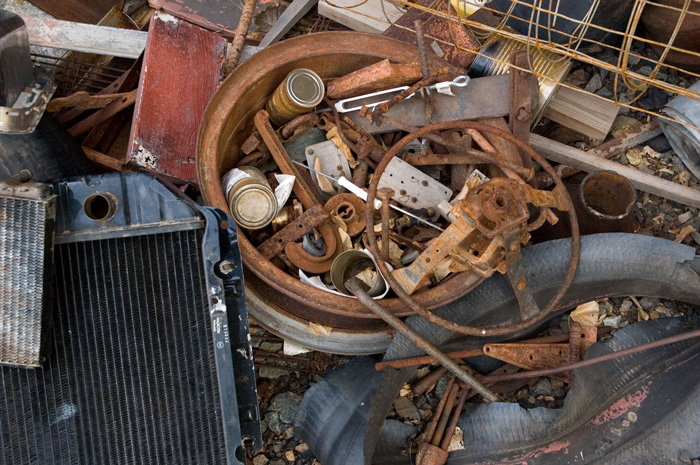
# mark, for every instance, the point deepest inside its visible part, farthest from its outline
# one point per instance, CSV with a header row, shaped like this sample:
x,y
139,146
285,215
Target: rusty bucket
x,y
276,299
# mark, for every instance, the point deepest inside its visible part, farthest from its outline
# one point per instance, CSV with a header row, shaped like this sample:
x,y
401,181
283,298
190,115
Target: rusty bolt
x,y
522,283
524,114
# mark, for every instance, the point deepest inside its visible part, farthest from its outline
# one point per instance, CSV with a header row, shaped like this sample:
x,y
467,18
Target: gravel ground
x,y
282,381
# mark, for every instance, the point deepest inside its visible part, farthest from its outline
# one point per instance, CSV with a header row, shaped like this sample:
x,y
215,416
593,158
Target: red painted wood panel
x,y
181,70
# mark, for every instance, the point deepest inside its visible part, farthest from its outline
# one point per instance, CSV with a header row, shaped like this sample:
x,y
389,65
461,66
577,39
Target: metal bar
x,y
594,360
287,20
356,289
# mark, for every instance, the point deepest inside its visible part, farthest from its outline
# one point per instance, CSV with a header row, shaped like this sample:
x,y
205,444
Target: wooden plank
x,y
78,10
586,113
287,20
182,68
86,38
366,17
584,161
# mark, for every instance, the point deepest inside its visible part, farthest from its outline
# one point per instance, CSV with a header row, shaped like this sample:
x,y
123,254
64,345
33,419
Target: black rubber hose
x,y
611,265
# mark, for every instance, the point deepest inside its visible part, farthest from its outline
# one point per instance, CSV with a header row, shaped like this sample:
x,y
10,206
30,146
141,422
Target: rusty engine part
x,y
497,205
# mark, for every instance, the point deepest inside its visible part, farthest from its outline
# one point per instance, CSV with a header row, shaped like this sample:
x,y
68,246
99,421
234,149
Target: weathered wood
x,y
293,13
87,38
182,68
78,10
588,114
584,161
366,17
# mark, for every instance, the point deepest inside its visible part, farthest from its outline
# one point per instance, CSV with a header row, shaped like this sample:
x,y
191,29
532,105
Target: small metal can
x,y
250,198
349,264
298,94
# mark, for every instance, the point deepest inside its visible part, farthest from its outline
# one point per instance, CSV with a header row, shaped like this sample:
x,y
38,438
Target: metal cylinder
x,y
684,140
348,264
607,195
298,94
250,198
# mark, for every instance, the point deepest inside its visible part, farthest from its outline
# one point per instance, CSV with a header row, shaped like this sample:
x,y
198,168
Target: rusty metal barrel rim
x,y
229,119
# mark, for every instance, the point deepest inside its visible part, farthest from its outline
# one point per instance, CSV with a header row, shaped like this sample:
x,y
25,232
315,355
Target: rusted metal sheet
x,y
182,68
420,159
293,231
124,101
530,356
523,98
379,76
220,16
485,97
441,34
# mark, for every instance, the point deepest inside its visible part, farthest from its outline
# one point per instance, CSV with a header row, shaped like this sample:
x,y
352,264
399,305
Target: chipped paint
x,y
552,448
146,159
622,406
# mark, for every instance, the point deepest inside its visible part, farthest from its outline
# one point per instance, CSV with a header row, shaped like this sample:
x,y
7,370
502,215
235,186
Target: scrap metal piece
x,y
28,213
523,98
373,78
294,231
349,208
484,97
530,356
331,159
412,187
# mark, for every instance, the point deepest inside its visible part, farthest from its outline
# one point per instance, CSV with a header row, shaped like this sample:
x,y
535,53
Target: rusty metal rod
x,y
234,54
421,386
466,353
594,360
385,195
420,342
446,414
456,414
430,430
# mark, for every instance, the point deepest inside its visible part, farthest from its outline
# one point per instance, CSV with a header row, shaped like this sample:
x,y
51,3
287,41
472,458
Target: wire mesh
x,y
74,75
664,34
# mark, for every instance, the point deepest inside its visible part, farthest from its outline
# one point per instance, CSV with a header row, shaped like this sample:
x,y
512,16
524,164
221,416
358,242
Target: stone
x,y
267,372
613,321
271,346
543,387
281,412
596,83
289,455
649,303
654,99
302,447
682,218
605,92
659,143
260,460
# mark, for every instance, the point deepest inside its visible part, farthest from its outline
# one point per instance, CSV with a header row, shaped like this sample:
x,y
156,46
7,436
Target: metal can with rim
x,y
251,200
298,94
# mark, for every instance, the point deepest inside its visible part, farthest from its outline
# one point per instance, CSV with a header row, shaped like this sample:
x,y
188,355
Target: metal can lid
x,y
253,207
305,88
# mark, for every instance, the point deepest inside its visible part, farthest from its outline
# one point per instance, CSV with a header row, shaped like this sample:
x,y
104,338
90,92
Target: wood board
x,y
584,161
182,67
588,114
367,17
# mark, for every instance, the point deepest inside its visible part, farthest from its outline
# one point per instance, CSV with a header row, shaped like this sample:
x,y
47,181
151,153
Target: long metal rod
x,y
594,360
356,289
394,207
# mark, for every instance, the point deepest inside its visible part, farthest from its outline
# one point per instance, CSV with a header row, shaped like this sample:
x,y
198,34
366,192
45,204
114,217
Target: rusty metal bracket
x,y
523,98
349,208
530,356
293,231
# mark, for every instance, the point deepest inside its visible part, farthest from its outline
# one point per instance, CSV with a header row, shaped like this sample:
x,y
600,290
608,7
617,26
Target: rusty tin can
x,y
298,94
251,200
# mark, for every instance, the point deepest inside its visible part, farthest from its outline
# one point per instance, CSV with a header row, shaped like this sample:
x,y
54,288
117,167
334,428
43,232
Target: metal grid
x,y
578,44
74,75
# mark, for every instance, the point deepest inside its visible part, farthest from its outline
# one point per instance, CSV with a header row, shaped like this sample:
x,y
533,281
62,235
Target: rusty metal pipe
x,y
420,342
421,386
594,360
